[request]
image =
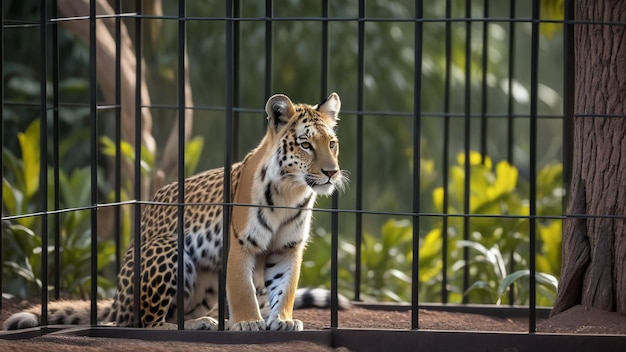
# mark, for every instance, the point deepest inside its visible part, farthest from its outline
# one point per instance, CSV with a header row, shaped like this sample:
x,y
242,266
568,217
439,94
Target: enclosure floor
x,y
576,320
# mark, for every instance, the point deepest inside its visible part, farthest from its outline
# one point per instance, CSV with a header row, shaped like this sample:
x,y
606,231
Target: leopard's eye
x,y
306,145
332,144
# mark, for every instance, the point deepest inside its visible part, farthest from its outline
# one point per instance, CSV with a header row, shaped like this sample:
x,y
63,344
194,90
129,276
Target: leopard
x,y
273,191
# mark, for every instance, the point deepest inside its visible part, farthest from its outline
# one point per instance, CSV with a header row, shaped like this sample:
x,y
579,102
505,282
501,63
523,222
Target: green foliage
x,y
497,243
22,244
389,68
193,149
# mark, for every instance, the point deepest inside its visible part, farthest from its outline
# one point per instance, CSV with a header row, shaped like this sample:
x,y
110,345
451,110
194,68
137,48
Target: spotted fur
x,y
295,161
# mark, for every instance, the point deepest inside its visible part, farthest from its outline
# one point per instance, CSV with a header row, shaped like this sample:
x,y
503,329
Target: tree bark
x,y
593,271
105,46
167,165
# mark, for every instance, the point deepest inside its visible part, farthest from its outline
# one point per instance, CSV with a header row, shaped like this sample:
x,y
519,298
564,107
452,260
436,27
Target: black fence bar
x,y
269,47
2,142
117,136
569,79
467,144
532,226
236,60
55,151
510,120
93,129
417,153
358,184
445,158
334,216
483,84
324,52
137,168
228,160
180,282
43,155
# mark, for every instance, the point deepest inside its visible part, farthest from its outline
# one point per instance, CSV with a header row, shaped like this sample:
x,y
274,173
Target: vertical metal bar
x,y
360,105
467,137
511,121
55,152
180,282
93,102
236,61
117,220
324,66
417,132
43,152
334,216
1,138
534,81
228,159
137,167
568,95
446,155
511,63
269,13
484,86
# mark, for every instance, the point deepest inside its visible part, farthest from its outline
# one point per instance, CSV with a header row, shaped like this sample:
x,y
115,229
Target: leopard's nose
x,y
329,173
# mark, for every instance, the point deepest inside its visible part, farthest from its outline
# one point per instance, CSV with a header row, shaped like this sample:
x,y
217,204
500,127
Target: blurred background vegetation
x,y
498,247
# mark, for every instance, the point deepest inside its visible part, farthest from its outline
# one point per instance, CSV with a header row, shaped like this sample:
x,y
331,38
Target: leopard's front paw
x,y
285,325
202,323
251,325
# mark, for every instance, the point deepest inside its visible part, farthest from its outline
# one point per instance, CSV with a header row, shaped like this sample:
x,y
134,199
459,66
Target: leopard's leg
x,y
282,272
159,287
242,302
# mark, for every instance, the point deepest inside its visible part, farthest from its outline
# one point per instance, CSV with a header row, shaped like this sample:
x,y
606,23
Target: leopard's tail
x,y
59,313
318,298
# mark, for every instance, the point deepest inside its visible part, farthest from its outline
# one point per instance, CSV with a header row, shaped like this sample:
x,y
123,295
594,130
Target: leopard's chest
x,y
279,220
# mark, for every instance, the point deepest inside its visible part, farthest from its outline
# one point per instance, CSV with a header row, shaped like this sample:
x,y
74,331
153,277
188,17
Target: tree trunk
x,y
593,272
105,65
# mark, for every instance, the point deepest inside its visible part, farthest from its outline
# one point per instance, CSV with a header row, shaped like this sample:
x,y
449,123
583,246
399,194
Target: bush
x,y
497,246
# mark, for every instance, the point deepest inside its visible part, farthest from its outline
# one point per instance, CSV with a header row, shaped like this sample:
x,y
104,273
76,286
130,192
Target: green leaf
x,y
193,150
24,85
11,197
29,143
542,278
128,153
74,85
15,167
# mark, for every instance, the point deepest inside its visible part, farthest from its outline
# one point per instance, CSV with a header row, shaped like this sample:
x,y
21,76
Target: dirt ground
x,y
578,320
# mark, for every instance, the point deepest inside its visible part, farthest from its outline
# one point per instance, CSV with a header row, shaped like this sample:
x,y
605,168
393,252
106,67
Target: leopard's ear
x,y
331,106
279,110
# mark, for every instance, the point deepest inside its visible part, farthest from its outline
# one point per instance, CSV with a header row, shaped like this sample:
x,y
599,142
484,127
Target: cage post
x,y
484,86
93,126
228,156
417,132
236,60
534,65
467,144
137,167
568,95
55,150
43,161
117,220
334,215
510,119
269,13
360,107
1,140
180,282
446,154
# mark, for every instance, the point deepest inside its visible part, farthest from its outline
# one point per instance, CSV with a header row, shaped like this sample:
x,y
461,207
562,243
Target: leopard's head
x,y
307,147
